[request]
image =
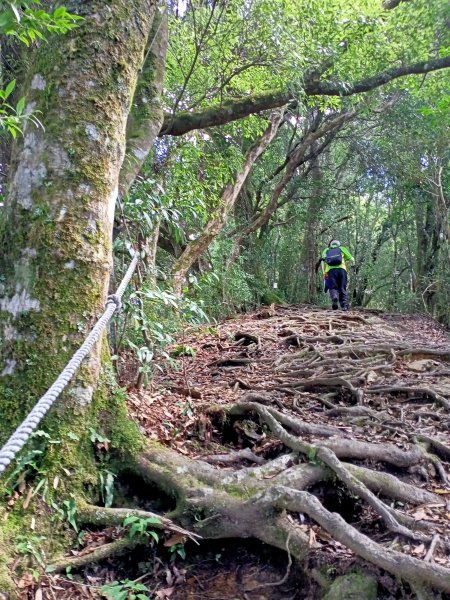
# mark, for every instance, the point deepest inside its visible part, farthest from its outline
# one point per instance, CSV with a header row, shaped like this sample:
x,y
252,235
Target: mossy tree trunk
x,y
56,227
146,114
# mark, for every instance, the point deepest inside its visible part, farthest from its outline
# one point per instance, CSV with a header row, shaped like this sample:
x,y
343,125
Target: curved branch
x,y
224,113
234,110
197,247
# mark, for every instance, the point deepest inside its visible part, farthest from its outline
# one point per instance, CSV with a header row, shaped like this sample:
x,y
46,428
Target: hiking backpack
x,y
333,257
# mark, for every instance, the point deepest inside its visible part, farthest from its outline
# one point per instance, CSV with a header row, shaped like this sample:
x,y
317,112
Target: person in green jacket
x,y
334,264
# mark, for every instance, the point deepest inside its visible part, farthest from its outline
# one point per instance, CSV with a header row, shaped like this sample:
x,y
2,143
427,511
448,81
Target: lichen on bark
x,y
55,242
146,114
56,226
55,239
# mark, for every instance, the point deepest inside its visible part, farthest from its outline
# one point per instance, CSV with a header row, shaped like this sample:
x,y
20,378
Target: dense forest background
x,y
225,142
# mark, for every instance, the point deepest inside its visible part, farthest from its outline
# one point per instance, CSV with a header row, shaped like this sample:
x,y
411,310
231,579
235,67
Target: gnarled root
x,y
222,506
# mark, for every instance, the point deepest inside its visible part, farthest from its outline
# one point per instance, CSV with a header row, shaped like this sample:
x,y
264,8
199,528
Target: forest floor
x,y
375,383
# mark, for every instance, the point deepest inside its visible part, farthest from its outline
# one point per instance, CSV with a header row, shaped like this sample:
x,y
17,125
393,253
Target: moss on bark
x,y
353,586
55,239
55,233
146,114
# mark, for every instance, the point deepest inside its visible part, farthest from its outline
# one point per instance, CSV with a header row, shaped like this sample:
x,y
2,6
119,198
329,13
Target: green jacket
x,y
345,256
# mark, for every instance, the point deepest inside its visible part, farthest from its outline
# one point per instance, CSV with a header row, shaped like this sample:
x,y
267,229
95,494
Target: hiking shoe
x,y
335,304
345,308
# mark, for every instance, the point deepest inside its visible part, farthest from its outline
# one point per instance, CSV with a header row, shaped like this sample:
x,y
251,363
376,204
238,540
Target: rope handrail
x,y
23,432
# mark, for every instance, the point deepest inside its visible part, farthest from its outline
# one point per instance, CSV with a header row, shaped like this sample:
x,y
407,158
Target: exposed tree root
x,y
342,447
421,391
95,515
341,442
220,512
116,548
405,567
328,457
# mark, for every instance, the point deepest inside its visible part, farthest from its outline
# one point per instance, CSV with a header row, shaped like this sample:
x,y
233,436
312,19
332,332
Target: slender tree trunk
x,y
196,248
309,253
146,115
57,223
432,227
150,246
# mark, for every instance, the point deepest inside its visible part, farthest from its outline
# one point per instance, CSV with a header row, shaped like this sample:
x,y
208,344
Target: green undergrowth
x,y
75,455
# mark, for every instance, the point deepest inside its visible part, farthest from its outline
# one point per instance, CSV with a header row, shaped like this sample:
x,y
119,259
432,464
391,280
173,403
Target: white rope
x,y
22,434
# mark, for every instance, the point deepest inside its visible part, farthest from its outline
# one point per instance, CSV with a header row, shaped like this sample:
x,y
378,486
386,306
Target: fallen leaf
x,y
420,515
28,498
25,581
177,538
371,377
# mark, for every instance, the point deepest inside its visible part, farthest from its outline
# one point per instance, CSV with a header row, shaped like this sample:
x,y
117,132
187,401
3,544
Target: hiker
x,y
335,273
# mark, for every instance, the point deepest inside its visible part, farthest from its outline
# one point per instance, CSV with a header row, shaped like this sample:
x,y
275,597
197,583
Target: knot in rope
x,y
114,299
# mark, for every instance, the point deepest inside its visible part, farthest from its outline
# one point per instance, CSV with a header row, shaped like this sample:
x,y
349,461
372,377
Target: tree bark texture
x,y
146,115
57,223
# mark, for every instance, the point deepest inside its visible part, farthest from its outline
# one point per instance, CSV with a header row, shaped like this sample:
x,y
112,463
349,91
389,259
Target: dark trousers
x,y
336,284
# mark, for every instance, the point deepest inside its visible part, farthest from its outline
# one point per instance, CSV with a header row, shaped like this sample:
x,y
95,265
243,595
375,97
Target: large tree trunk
x,y
57,222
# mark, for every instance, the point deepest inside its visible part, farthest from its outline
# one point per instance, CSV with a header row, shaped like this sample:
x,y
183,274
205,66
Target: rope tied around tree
x,y
24,431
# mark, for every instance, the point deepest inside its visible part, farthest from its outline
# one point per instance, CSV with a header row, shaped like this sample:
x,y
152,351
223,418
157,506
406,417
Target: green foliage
x,y
12,117
142,527
224,291
177,551
28,23
183,350
96,437
143,207
69,510
32,546
106,484
152,317
29,466
125,590
247,48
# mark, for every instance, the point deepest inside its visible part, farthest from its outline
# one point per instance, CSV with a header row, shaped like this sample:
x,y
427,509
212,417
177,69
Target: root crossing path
x,y
322,433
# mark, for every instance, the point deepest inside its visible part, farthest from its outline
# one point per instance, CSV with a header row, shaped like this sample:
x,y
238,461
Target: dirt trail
x,y
299,444
373,389
272,355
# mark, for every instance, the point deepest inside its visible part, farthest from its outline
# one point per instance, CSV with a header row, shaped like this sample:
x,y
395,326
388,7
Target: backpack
x,y
333,257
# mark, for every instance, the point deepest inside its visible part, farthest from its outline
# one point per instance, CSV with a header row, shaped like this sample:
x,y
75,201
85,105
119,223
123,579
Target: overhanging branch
x,y
234,110
390,4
